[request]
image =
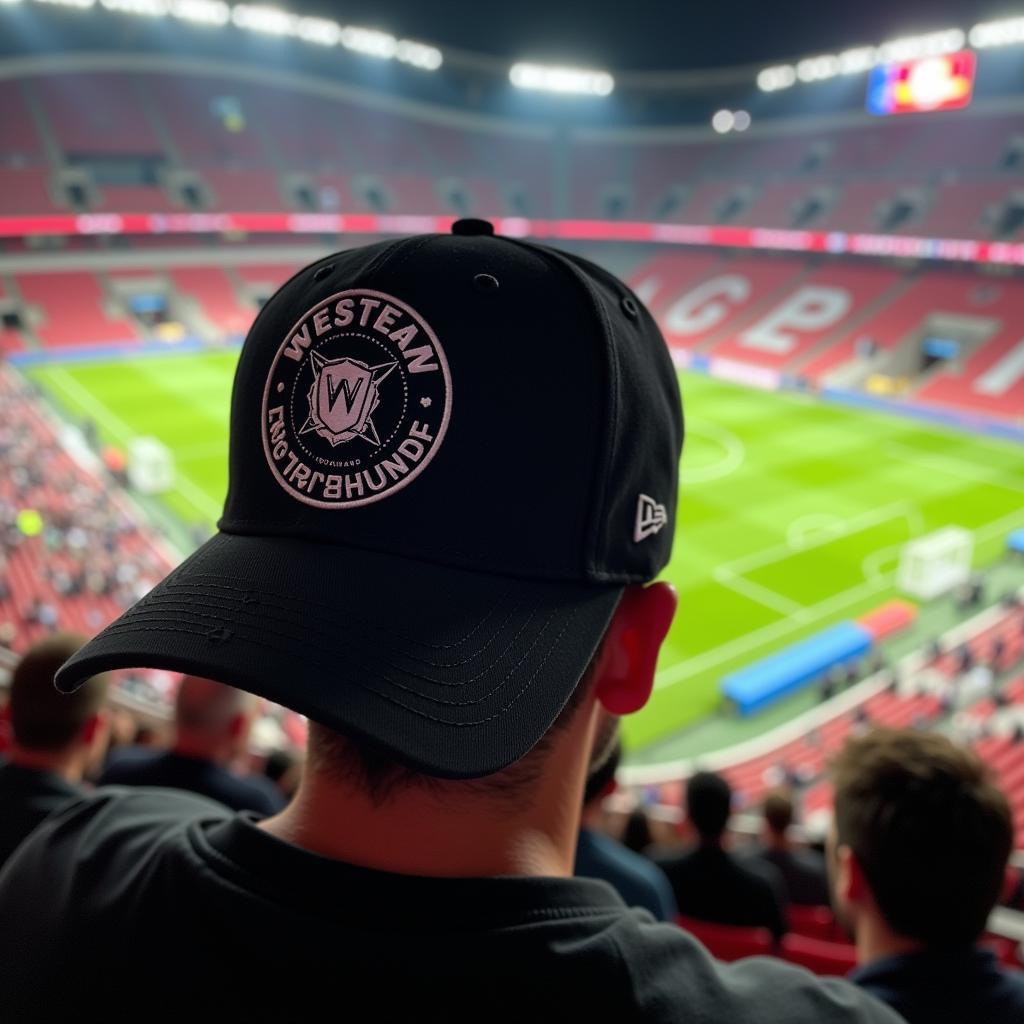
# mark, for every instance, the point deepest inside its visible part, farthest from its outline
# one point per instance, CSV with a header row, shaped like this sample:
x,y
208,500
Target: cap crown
x,y
461,399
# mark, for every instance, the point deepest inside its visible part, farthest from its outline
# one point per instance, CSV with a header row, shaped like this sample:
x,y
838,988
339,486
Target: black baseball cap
x,y
449,455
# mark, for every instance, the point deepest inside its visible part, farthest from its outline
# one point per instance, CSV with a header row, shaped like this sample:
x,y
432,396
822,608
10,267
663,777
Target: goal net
x,y
150,465
935,564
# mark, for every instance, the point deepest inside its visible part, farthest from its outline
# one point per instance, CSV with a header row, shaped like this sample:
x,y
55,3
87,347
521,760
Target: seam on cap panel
x,y
565,261
400,251
593,528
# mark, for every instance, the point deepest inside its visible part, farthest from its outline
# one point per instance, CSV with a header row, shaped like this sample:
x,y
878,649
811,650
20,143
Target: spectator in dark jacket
x,y
711,883
918,858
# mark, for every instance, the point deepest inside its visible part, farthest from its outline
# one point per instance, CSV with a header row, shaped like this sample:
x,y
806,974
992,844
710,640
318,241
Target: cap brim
x,y
457,673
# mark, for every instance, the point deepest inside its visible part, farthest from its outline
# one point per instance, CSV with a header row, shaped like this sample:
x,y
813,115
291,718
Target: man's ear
x,y
625,675
94,728
851,884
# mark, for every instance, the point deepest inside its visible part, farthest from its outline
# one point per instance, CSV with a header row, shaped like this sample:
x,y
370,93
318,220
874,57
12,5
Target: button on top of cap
x,y
472,226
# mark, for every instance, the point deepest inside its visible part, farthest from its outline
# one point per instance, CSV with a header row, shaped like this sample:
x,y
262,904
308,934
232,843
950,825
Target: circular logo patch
x,y
357,401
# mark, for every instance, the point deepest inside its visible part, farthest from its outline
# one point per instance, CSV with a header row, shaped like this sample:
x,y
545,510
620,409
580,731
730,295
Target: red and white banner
x,y
959,250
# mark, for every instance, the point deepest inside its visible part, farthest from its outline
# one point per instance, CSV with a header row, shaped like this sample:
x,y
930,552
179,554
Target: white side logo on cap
x,y
650,518
357,401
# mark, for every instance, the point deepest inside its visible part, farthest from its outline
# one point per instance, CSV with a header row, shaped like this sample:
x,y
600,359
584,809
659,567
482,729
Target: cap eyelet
x,y
629,307
323,273
485,283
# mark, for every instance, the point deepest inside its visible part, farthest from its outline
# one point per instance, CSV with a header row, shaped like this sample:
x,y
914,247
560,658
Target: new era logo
x,y
650,518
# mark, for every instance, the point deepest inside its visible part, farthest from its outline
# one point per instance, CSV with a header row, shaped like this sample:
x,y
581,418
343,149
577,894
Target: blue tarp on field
x,y
765,681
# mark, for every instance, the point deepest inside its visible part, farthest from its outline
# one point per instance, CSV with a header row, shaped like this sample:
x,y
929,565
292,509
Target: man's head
x,y
920,840
213,721
708,805
778,815
61,731
453,478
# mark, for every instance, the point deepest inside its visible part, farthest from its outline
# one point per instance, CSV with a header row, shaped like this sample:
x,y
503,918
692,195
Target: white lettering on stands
x,y
702,308
810,308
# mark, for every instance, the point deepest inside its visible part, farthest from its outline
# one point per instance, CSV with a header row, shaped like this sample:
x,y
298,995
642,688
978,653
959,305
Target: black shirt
x,y
712,884
802,872
27,797
140,767
165,901
963,986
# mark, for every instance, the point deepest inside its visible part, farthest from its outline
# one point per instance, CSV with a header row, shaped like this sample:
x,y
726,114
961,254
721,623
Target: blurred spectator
x,y
712,884
55,736
212,728
918,857
802,870
636,879
637,834
284,769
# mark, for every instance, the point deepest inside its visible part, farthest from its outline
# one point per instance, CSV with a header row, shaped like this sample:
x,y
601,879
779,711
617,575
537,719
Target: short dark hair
x,y
778,811
278,764
930,829
708,804
380,774
603,775
43,718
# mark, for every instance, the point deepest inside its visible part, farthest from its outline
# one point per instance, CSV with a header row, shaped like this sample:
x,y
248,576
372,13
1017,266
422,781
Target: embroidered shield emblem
x,y
343,397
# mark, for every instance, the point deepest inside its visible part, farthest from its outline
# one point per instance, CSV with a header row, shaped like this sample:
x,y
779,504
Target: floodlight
x,y
559,79
261,18
205,12
722,121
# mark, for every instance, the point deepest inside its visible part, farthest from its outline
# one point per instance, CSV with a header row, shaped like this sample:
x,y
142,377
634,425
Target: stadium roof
x,y
652,35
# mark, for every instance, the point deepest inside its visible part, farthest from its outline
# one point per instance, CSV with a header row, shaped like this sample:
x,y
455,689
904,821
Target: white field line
x,y
831,530
193,494
956,467
755,592
842,528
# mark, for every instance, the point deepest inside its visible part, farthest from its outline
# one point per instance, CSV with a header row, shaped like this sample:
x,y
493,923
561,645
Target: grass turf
x,y
792,511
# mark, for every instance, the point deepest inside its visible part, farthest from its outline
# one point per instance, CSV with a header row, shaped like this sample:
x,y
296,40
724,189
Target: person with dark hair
x,y
454,476
637,835
283,769
917,856
802,870
711,883
54,739
212,723
639,882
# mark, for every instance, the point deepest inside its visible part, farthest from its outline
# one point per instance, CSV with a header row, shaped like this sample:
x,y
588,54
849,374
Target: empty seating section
x,y
96,114
205,120
966,207
250,191
72,311
241,137
19,140
214,293
134,199
25,191
268,274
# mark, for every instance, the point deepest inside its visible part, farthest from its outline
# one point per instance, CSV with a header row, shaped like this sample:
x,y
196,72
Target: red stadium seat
x,y
814,923
818,955
727,942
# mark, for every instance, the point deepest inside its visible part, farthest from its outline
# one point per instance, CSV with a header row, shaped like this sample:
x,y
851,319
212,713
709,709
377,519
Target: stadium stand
x,y
212,289
71,309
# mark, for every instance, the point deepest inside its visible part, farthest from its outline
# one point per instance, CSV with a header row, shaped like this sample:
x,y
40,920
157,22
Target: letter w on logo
x,y
345,387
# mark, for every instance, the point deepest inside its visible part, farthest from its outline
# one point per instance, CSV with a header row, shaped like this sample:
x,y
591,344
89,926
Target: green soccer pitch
x,y
792,511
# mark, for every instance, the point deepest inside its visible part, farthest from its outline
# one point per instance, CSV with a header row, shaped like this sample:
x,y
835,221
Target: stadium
x,y
831,242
